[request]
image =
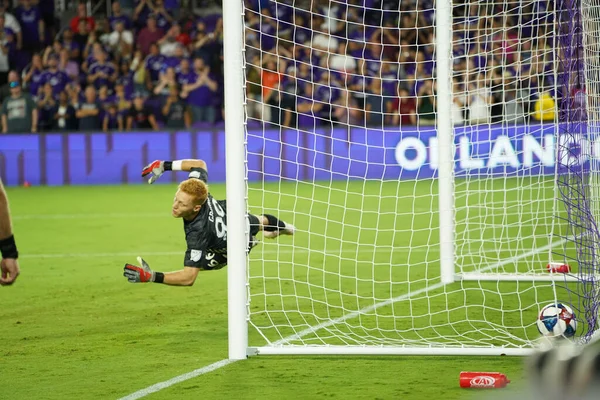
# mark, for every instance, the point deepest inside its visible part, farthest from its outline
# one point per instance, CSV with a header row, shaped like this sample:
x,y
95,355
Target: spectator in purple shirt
x,y
199,95
56,78
185,75
163,17
126,78
67,65
203,41
71,45
154,64
143,9
174,61
32,75
118,16
32,25
102,72
112,119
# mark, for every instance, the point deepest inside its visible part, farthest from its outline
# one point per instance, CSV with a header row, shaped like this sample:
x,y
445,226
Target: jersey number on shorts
x,y
219,223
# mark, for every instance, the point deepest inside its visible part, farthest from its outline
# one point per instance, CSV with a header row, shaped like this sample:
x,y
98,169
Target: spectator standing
x,y
32,25
122,99
154,64
126,78
19,113
5,90
142,12
480,101
513,104
118,17
52,75
88,113
140,115
165,82
46,109
33,75
112,119
203,43
68,65
459,99
176,112
269,78
11,23
375,104
121,41
82,37
163,17
82,16
404,109
64,118
149,36
6,42
102,72
69,43
200,94
426,104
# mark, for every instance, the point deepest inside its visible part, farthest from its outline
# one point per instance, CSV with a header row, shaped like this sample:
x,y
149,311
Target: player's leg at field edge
x,y
273,227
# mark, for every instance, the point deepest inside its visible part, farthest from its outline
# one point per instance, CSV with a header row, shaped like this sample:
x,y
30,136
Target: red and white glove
x,y
135,274
155,168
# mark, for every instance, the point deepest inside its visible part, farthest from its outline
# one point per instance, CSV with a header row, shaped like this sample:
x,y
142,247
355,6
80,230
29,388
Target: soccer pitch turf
x,y
74,328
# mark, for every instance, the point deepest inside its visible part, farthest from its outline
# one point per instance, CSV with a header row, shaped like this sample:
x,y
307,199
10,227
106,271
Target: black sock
x,y
274,224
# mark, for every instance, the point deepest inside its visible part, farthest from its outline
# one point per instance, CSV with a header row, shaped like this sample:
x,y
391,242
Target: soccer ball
x,y
557,319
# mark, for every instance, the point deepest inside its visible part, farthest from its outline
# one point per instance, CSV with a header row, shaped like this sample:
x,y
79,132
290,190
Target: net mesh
x,y
341,107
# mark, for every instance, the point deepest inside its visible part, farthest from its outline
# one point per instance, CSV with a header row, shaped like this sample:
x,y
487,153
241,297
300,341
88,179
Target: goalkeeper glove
x,y
156,168
135,274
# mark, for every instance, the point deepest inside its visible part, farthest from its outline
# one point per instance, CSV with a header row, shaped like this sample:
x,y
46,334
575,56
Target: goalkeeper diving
x,y
204,223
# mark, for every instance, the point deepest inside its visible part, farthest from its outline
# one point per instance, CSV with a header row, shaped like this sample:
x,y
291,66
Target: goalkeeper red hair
x,y
195,188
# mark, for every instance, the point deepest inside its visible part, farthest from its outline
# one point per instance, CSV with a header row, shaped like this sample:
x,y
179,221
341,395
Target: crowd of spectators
x,y
139,68
373,63
149,65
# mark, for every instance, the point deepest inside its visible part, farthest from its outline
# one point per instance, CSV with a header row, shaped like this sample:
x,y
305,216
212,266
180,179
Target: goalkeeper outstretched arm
x,y
156,168
144,274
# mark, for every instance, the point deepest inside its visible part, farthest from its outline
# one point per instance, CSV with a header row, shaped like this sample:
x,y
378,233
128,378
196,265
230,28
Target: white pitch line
x,y
254,252
91,216
173,381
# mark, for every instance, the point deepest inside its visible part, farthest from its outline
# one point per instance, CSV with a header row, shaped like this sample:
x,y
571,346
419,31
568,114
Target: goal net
x,y
417,150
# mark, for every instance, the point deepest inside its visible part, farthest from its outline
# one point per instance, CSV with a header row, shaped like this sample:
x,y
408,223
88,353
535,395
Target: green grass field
x,y
73,328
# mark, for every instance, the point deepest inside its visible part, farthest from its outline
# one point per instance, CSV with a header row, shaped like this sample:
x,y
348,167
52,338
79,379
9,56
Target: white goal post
x,y
425,173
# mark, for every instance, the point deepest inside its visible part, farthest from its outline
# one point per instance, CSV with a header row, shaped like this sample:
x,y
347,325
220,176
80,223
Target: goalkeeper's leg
x,y
271,226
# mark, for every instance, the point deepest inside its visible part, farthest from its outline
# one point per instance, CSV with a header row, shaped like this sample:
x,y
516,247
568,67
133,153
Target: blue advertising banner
x,y
322,154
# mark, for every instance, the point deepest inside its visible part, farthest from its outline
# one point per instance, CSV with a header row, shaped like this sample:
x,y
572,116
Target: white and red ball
x,y
557,319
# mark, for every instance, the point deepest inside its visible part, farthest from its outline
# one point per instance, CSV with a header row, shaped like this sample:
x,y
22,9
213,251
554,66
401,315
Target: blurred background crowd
x,y
148,64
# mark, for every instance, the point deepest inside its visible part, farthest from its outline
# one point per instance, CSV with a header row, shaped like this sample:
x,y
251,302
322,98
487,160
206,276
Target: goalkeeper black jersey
x,y
206,235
